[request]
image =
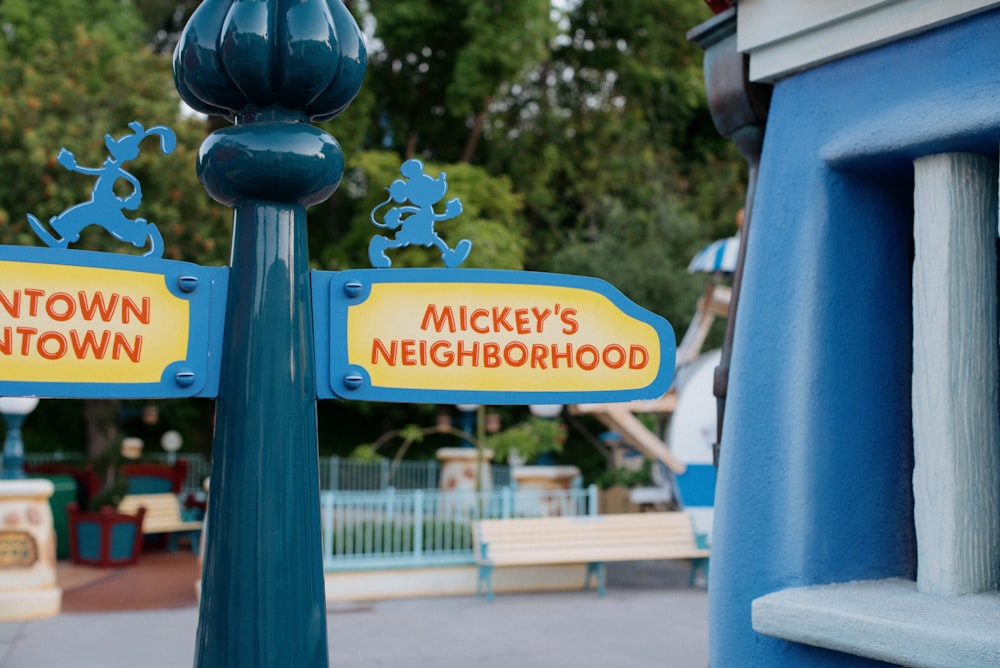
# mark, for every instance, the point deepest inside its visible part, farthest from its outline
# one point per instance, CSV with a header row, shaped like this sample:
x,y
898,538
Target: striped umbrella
x,y
717,257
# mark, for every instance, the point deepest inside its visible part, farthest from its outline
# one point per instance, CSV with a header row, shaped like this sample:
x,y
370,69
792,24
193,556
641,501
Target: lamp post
x,y
468,412
546,411
15,410
171,442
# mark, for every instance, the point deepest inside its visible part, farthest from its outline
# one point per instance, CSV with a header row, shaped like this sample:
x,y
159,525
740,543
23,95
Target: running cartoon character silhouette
x,y
105,208
415,224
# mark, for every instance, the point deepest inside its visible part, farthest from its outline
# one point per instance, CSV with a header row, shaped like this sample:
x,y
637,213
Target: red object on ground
x,y
87,482
106,538
174,474
719,6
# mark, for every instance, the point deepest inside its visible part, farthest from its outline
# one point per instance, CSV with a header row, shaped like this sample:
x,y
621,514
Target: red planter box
x,y
105,538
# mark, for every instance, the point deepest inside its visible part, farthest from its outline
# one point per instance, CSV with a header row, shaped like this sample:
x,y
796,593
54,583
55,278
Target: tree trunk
x,y
101,416
476,132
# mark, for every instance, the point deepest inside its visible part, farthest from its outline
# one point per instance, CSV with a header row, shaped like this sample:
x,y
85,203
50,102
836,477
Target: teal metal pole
x,y
263,595
13,448
270,67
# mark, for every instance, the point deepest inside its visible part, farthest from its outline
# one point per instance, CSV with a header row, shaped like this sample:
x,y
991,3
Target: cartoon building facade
x,y
858,506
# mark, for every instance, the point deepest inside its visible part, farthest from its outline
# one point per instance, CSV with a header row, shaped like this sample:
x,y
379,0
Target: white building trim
x,y
956,429
886,620
785,36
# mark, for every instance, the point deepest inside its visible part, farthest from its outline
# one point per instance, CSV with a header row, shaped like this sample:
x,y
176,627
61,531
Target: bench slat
x,y
590,539
163,513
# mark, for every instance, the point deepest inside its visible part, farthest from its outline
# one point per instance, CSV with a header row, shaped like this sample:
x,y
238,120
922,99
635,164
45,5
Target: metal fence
x,y
383,514
393,528
340,474
198,468
336,473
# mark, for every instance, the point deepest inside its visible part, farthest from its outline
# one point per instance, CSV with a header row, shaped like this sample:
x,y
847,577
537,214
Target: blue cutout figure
x,y
105,208
417,227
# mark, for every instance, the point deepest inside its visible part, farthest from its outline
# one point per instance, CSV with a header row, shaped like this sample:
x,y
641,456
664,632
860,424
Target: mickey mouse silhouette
x,y
418,226
105,208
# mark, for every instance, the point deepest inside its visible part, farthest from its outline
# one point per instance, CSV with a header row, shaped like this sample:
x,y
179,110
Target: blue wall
x,y
816,463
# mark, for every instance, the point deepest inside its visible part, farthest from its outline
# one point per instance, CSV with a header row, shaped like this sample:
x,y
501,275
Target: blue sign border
x,y
199,371
331,301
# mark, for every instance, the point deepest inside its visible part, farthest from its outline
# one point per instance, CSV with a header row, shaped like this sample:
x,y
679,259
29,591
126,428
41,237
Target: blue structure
x,y
263,599
417,227
105,207
816,463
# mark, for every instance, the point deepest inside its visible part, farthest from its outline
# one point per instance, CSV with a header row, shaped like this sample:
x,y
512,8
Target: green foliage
x,y
504,41
623,477
114,483
611,144
441,63
530,439
84,74
365,453
644,254
412,433
28,24
340,232
578,139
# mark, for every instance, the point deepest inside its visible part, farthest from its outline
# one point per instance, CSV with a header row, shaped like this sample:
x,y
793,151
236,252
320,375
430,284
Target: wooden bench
x,y
163,515
592,540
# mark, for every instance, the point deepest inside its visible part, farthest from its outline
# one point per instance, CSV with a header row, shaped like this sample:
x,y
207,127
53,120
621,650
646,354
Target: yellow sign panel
x,y
81,324
502,337
497,337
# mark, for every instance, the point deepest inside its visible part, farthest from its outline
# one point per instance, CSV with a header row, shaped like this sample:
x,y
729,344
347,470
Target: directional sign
x,y
86,325
485,336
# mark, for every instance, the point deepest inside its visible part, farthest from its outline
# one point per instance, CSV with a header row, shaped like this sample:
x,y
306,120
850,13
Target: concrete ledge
x,y
22,606
886,620
347,586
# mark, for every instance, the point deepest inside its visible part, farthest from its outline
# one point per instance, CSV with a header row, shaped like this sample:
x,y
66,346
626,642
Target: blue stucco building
x,y
858,502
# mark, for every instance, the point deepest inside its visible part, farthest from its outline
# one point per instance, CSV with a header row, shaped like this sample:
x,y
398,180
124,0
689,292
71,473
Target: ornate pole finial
x,y
270,62
289,59
271,67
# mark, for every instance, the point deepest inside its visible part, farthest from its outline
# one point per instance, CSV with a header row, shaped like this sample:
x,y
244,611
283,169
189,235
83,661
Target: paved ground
x,y
648,619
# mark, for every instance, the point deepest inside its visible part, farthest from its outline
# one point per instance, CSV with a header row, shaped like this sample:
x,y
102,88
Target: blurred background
x,y
576,134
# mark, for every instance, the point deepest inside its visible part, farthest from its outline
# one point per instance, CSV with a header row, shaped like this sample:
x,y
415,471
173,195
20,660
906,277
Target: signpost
x,y
267,338
485,336
92,325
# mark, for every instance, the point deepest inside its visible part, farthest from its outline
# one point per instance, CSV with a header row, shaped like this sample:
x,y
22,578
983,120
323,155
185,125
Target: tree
x,y
611,143
71,71
441,64
67,79
577,136
594,113
340,232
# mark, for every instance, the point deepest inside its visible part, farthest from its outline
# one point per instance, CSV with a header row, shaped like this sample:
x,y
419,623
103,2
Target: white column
x,y
956,430
28,582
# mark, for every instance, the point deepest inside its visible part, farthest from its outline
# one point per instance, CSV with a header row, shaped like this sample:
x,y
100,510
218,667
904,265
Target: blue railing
x,y
395,528
354,475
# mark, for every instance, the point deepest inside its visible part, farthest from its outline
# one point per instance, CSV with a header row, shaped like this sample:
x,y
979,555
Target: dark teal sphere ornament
x,y
304,163
271,67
